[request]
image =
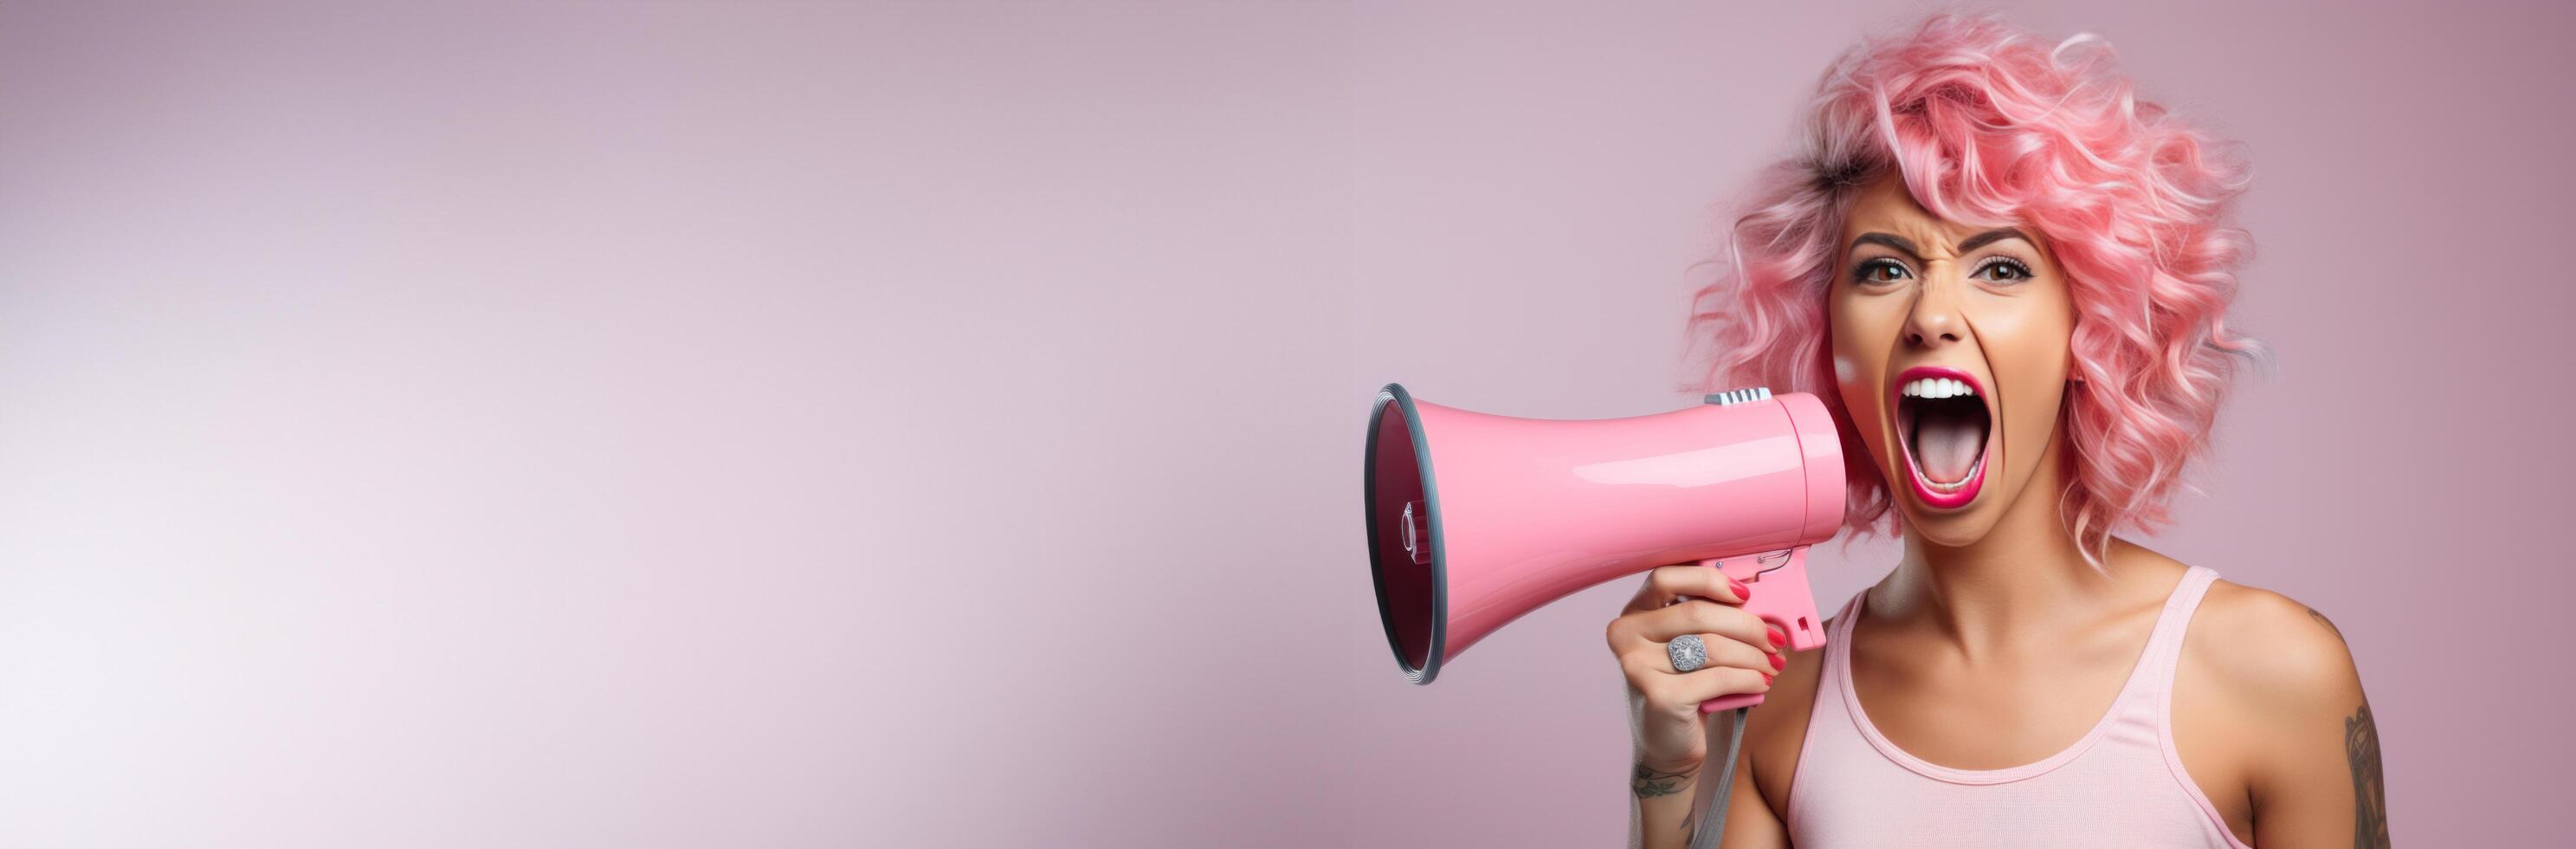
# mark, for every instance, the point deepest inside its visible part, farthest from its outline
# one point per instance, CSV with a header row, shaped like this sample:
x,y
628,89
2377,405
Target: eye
x,y
1880,270
2003,269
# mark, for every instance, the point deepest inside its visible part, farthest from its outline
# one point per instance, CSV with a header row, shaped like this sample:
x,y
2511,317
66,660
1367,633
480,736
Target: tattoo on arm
x,y
2369,795
1650,783
2330,626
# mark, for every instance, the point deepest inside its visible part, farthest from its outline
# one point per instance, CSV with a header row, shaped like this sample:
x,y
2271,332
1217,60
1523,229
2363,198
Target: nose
x,y
1933,321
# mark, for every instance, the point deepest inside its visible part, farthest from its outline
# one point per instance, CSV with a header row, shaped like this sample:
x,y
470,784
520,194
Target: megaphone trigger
x,y
1750,568
1783,600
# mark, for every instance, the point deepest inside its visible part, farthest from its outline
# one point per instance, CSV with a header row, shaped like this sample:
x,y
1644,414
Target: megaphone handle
x,y
1780,596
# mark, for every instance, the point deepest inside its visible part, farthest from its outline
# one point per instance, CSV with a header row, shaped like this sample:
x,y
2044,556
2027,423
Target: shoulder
x,y
1777,730
1792,692
2268,714
2270,653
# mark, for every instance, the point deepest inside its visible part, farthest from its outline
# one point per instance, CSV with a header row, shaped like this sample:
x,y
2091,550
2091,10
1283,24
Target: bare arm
x,y
2314,780
1671,804
1770,754
1661,818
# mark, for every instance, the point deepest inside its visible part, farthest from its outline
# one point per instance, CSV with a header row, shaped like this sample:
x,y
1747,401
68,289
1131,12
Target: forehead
x,y
1884,205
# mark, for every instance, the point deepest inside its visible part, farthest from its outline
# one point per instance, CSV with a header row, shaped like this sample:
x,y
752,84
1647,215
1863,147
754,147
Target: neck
x,y
2026,575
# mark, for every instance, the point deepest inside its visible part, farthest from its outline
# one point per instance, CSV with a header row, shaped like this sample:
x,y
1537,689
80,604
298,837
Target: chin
x,y
1950,529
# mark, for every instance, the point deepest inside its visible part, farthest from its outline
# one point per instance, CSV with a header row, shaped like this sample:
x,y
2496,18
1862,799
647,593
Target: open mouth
x,y
1941,418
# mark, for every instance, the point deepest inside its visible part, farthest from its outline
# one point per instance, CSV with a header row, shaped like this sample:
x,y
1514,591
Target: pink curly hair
x,y
1990,126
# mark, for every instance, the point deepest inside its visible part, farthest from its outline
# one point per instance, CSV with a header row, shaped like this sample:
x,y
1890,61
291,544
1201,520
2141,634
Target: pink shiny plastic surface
x,y
1781,597
1534,510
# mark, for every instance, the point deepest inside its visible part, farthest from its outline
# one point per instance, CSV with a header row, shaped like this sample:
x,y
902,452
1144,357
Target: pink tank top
x,y
2121,785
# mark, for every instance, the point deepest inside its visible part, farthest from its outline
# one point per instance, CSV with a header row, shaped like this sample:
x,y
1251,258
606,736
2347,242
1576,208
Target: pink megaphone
x,y
1475,519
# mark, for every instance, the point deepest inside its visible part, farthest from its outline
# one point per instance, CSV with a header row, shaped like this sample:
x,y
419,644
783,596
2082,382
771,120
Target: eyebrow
x,y
1971,243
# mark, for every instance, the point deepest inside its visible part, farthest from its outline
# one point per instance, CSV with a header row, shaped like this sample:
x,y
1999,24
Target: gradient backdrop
x,y
938,424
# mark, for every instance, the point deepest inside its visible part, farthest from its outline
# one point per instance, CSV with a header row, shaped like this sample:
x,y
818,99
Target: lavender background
x,y
937,424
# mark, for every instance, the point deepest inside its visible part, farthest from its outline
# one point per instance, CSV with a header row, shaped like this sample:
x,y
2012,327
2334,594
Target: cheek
x,y
1862,327
1864,334
1849,344
2025,342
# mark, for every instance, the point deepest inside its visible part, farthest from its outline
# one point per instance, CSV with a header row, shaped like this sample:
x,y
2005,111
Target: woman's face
x,y
1950,350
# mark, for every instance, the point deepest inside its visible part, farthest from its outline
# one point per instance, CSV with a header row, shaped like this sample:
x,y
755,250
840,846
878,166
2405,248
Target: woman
x,y
2007,278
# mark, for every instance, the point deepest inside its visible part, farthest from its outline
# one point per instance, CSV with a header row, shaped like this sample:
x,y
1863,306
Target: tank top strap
x,y
1828,716
1831,673
1838,637
2164,646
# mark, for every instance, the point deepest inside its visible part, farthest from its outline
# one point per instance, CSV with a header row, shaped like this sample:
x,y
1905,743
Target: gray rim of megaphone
x,y
1394,393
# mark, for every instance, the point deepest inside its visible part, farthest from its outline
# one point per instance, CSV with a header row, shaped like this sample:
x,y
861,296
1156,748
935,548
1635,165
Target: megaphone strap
x,y
1712,827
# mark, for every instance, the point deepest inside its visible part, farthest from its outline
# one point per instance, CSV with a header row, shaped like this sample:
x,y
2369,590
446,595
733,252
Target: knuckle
x,y
1620,632
1720,619
1744,622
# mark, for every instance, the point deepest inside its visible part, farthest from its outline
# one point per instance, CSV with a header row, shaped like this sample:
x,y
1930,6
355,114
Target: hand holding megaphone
x,y
1738,655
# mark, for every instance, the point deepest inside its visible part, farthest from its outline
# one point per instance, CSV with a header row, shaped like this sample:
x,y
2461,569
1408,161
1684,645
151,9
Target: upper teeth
x,y
1936,387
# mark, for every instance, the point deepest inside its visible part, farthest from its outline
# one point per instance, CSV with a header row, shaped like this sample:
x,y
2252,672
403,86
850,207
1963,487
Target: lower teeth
x,y
1940,487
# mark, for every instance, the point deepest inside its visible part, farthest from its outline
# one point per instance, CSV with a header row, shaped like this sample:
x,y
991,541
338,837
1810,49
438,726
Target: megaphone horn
x,y
1476,519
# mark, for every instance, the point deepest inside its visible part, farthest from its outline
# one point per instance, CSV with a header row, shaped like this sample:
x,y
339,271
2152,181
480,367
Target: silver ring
x,y
1687,652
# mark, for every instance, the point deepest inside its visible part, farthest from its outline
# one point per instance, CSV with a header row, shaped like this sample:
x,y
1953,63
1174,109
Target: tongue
x,y
1947,446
